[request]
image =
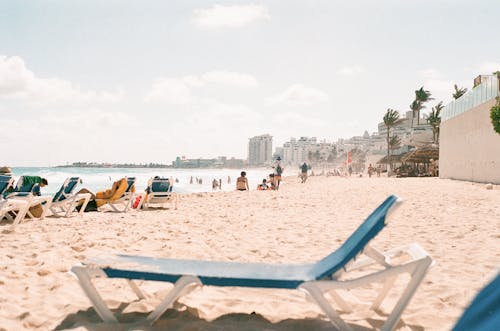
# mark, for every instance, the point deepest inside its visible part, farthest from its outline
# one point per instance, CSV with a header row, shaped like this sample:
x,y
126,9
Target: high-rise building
x,y
260,150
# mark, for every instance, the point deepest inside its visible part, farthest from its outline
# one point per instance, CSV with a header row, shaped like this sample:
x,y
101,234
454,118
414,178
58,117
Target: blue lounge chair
x,y
6,181
29,192
159,192
315,279
11,207
123,203
483,313
65,201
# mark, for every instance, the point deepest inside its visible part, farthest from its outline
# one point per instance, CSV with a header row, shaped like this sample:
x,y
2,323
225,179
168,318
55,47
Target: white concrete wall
x,y
469,148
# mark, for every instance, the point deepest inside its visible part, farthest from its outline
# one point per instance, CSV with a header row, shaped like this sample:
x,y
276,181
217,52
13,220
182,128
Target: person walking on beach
x,y
303,172
278,170
350,170
370,170
379,170
215,184
242,182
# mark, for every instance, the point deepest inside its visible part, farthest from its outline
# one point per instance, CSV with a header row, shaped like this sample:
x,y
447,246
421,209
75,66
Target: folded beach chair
x,y
159,193
316,279
65,201
123,203
26,192
483,313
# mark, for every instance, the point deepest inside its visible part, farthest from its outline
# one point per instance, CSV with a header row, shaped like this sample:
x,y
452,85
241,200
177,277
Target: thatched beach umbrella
x,y
423,154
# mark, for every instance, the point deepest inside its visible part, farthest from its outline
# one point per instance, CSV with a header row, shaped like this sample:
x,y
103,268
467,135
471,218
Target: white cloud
x,y
18,82
178,91
170,91
430,73
351,70
229,16
299,95
230,78
487,68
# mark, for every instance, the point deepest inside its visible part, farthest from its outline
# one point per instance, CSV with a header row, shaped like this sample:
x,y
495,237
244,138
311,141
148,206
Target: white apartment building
x,y
260,150
296,151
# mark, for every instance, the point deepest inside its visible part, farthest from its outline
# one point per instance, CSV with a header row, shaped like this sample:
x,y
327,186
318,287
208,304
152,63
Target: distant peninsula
x,y
113,165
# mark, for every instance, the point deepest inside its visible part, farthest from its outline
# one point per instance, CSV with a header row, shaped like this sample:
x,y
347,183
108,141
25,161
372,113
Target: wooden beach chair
x,y
315,279
65,200
159,193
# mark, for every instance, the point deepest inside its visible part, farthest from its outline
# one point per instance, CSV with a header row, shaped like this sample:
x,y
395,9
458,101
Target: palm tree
x,y
391,118
422,96
394,142
434,119
459,92
415,108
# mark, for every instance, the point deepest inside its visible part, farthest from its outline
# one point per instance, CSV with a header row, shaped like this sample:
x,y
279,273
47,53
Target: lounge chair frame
x,y
123,203
160,198
315,289
16,206
67,205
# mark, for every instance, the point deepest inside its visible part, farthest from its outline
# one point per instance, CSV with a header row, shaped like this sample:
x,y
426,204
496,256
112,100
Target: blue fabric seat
x,y
483,314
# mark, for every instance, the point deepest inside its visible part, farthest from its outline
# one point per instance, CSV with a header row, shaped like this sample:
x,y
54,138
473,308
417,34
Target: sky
x,y
146,81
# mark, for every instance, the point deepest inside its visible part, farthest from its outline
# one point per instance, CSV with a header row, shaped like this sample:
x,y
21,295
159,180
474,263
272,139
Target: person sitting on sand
x,y
242,182
263,186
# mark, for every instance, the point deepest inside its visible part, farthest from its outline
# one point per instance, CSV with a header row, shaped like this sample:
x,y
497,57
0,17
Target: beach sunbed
x,y
315,279
159,193
123,202
65,201
25,192
14,210
5,182
483,314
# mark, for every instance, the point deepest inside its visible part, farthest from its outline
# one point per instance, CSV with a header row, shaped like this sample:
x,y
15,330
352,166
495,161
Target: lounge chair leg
x,y
317,295
136,289
91,292
385,289
341,302
184,285
417,275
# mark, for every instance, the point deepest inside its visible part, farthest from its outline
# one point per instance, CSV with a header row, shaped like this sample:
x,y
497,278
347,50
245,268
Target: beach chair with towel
x,y
120,197
159,193
315,279
64,202
483,314
29,191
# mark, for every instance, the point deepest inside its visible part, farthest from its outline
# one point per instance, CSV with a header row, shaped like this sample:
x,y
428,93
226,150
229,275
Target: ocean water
x,y
97,179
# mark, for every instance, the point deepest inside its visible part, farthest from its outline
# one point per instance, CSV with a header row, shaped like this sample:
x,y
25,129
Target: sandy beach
x,y
456,222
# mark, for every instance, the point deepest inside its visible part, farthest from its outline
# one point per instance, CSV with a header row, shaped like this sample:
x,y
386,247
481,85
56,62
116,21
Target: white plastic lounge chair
x,y
65,201
316,279
159,193
123,203
483,314
13,207
25,192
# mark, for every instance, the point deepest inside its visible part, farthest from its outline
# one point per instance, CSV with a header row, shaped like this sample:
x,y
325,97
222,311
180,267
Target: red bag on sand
x,y
136,202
